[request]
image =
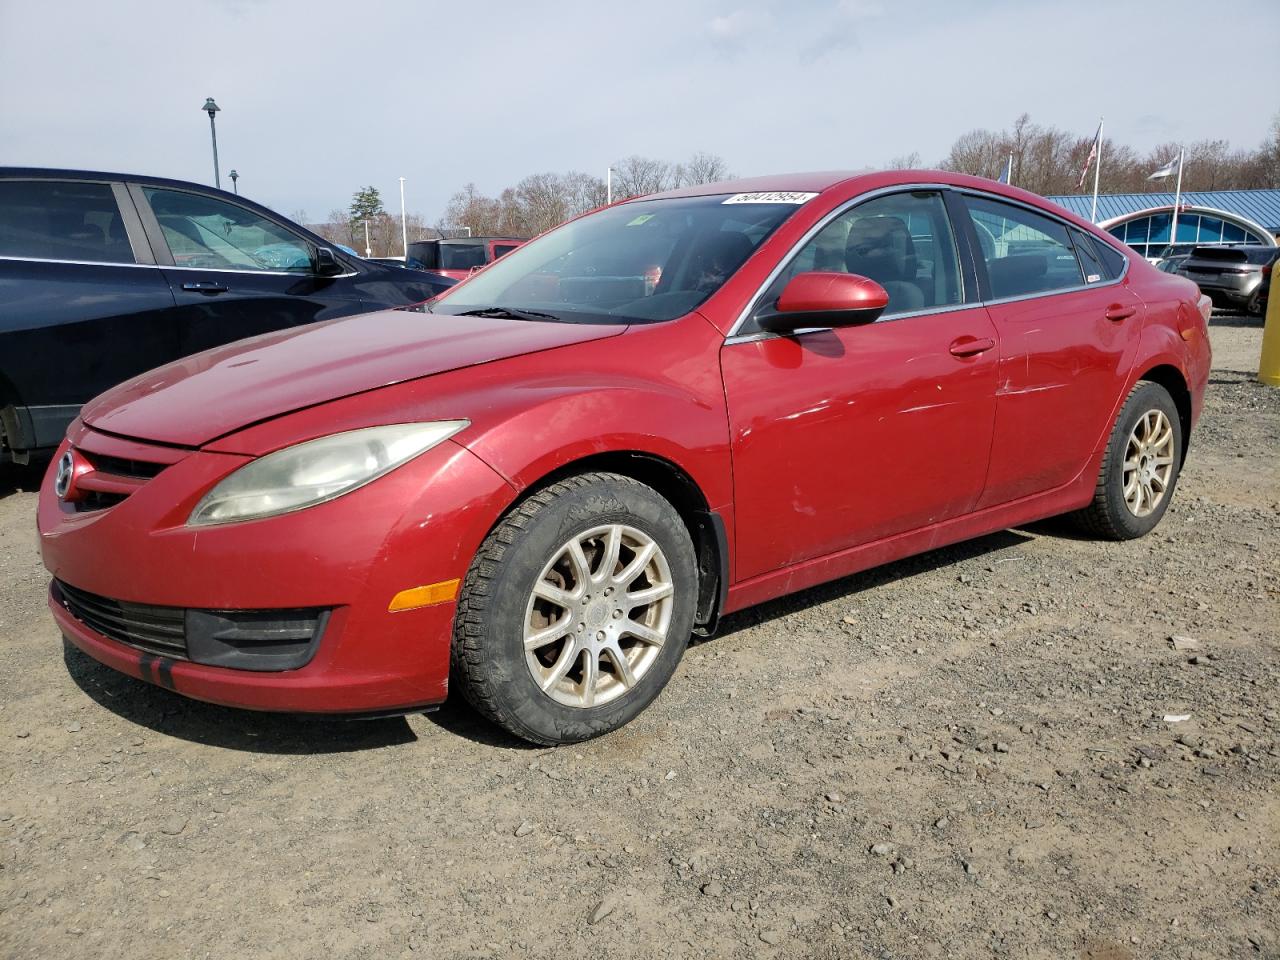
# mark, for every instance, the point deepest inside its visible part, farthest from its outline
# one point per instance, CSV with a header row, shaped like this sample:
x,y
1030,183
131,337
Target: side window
x,y
1026,253
1090,262
62,220
1111,258
902,241
206,232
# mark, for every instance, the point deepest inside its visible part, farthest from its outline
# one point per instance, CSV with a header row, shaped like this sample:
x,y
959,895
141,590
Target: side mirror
x,y
326,264
824,300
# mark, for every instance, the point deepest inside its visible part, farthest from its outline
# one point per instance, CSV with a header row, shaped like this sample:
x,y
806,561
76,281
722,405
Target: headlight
x,y
318,470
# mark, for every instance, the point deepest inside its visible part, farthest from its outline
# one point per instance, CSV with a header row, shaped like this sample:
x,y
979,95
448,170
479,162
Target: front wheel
x,y
576,610
1140,467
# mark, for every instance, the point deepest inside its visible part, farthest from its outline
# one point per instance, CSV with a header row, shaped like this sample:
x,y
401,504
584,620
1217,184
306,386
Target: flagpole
x,y
1097,168
1177,201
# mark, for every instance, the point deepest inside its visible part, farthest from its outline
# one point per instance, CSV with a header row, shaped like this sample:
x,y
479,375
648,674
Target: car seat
x,y
880,249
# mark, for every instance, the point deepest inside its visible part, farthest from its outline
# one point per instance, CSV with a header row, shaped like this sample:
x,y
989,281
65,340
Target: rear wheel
x,y
576,610
1140,467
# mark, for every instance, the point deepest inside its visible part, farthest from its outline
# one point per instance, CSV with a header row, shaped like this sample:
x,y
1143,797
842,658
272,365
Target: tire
x,y
532,547
1112,515
1253,306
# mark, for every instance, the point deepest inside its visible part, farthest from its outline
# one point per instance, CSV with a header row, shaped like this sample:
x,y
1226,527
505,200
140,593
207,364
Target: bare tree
x,y
1047,160
636,176
701,168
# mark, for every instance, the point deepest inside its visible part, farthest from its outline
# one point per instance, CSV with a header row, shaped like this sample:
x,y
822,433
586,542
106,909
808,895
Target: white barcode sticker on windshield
x,y
774,197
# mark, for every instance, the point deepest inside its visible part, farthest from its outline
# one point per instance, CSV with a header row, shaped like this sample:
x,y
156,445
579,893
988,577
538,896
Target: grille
x,y
160,630
122,467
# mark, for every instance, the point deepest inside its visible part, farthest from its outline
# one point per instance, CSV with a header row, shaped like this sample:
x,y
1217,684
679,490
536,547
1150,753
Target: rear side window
x,y
1111,258
212,234
1090,262
60,220
1025,253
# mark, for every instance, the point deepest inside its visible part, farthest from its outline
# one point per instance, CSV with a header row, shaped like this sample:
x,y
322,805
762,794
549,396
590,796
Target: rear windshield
x,y
461,256
1235,254
647,260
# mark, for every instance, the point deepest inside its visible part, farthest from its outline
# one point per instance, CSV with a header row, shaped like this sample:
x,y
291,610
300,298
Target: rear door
x,y
1068,335
82,304
234,272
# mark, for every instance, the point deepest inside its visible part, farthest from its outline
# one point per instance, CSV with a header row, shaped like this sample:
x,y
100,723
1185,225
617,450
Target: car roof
x,y
55,173
477,239
820,181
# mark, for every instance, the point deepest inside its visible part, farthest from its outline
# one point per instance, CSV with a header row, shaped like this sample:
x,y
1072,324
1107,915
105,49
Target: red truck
x,y
459,257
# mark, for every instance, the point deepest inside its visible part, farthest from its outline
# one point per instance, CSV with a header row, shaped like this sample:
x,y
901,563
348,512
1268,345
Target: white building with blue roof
x,y
1214,217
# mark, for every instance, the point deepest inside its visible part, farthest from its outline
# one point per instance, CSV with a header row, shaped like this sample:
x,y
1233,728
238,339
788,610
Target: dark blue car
x,y
104,276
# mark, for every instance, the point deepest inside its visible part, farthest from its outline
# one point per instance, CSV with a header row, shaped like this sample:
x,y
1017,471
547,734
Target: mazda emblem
x,y
62,482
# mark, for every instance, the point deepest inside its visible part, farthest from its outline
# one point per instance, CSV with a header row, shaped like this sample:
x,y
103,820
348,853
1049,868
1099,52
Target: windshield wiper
x,y
510,313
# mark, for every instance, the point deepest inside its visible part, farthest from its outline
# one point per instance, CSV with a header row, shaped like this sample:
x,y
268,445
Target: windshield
x,y
638,262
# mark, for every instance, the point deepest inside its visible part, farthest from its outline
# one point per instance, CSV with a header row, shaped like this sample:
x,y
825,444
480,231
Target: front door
x,y
847,436
237,274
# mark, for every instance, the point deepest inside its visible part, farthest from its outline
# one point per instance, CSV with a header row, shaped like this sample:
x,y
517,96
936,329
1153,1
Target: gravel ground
x,y
965,754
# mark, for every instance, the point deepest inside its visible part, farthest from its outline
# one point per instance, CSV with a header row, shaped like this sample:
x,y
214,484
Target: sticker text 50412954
x,y
772,197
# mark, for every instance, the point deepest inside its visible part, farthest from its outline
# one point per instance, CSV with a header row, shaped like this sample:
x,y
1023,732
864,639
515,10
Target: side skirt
x,y
810,573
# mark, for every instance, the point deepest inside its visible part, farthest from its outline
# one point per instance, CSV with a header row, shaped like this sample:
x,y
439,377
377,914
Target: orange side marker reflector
x,y
427,596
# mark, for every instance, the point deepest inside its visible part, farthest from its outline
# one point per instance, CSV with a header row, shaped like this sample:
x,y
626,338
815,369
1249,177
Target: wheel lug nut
x,y
600,635
617,614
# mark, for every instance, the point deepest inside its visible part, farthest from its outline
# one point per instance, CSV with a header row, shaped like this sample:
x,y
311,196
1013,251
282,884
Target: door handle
x,y
1118,312
971,346
205,286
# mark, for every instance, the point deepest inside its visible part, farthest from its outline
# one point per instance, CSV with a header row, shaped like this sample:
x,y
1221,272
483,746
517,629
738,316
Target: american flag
x,y
1093,155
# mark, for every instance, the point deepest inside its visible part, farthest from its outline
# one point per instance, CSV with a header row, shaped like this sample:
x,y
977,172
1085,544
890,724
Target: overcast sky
x,y
321,97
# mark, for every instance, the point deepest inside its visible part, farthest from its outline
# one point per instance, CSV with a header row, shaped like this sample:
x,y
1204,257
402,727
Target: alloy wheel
x,y
1148,463
598,615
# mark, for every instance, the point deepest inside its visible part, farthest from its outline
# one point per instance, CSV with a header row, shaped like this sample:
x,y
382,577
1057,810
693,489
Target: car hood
x,y
198,399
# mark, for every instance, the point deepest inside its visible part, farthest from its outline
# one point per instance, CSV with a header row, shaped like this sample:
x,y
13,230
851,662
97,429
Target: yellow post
x,y
1269,363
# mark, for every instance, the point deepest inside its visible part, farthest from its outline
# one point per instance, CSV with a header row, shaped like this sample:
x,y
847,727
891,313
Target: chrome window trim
x,y
83,263
927,312
165,266
733,336
259,273
815,229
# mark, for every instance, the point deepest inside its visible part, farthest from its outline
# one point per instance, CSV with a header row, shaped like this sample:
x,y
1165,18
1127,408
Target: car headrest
x,y
715,258
880,248
1016,275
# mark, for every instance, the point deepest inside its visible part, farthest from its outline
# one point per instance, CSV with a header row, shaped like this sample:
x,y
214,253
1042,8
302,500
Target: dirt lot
x,y
961,755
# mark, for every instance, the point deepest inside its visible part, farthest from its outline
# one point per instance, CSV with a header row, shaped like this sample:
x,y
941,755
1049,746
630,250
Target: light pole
x,y
211,108
404,224
368,250
234,177
608,194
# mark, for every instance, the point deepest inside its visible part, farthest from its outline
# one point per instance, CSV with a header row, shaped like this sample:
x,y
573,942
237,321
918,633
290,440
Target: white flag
x,y
1168,170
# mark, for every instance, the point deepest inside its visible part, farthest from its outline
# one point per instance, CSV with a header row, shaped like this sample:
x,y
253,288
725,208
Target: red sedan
x,y
538,490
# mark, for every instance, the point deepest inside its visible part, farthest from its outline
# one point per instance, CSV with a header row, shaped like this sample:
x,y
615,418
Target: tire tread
x,y
470,667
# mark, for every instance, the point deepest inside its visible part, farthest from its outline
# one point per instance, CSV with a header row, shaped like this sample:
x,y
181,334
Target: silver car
x,y
1229,275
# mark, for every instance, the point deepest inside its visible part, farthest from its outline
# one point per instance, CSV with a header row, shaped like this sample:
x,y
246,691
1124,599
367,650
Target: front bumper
x,y
419,524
